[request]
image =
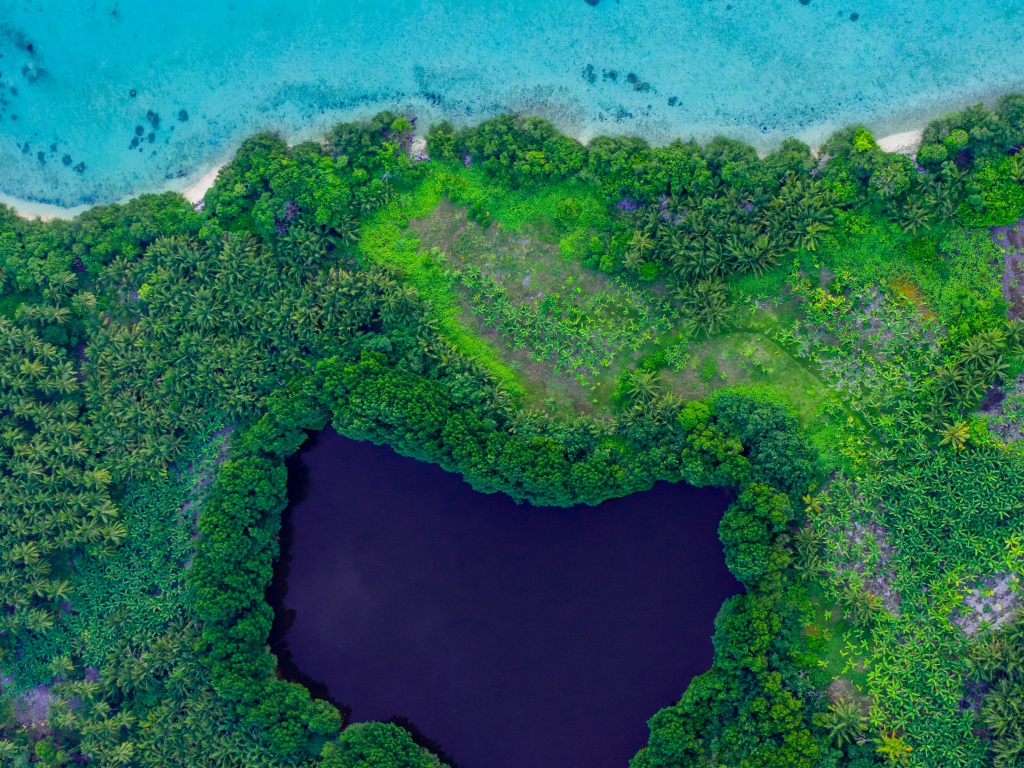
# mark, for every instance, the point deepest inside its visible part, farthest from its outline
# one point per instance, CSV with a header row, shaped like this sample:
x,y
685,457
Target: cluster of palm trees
x,y
960,382
697,236
183,723
930,200
204,330
53,497
998,660
700,239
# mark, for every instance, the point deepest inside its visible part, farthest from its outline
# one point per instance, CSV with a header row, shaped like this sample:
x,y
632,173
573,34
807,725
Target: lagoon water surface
x,y
512,636
103,98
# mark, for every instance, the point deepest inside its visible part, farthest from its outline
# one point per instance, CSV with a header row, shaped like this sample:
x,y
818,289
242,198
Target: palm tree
x,y
1015,333
1017,168
845,722
893,748
913,219
860,605
643,386
987,658
955,435
812,236
640,244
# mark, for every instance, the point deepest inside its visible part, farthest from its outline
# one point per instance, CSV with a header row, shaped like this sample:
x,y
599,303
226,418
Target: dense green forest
x,y
837,336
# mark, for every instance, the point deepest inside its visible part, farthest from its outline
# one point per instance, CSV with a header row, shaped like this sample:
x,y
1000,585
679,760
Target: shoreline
x,y
194,192
905,142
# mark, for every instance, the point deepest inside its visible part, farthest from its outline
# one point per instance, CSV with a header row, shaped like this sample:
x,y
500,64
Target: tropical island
x,y
834,336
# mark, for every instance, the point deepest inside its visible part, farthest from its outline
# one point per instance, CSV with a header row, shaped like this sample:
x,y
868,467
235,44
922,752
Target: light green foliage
x,y
384,241
1001,196
708,368
579,335
966,289
932,156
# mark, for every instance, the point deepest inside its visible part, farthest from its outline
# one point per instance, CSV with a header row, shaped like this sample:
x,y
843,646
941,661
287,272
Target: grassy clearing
x,y
836,640
386,239
528,267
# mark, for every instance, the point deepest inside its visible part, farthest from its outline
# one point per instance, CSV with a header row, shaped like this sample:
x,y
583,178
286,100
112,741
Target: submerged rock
x,y
183,116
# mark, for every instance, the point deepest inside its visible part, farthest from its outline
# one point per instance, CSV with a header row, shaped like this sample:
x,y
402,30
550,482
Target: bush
x,y
749,532
376,745
932,156
956,143
1002,198
708,368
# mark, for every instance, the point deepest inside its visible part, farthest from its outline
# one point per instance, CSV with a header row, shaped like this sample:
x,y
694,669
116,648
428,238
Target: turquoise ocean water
x,y
207,74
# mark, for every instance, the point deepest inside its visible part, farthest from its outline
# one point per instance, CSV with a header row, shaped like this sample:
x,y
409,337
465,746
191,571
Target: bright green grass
x,y
386,240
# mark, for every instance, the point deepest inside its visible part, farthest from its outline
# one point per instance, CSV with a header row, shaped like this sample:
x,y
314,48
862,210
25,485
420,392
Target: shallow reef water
x,y
78,78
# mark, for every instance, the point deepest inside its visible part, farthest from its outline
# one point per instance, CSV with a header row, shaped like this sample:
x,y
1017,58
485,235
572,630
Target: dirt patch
x,y
992,400
991,604
1011,240
204,475
1004,411
842,689
33,707
909,290
863,539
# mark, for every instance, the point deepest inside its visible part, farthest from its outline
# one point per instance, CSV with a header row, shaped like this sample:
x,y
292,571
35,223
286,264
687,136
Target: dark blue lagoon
x,y
512,636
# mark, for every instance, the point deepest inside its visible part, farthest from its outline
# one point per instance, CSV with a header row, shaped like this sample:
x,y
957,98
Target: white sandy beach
x,y
904,143
195,192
